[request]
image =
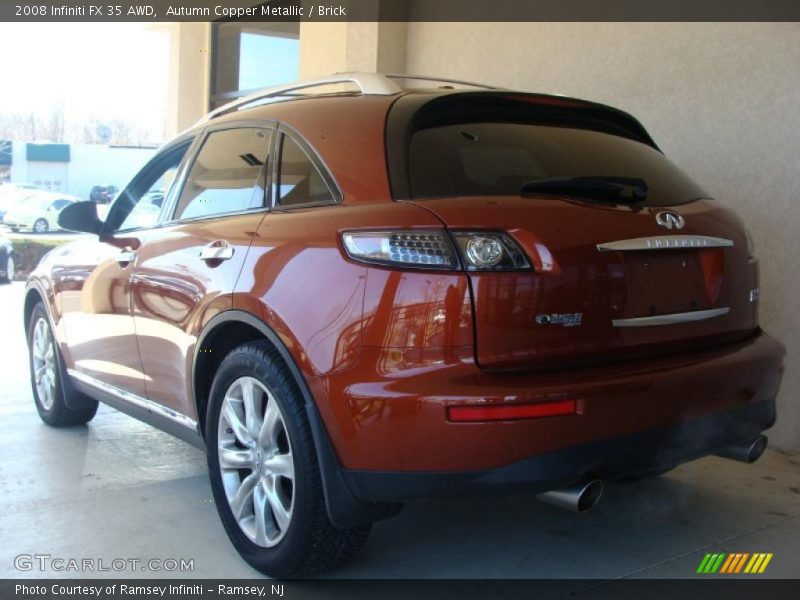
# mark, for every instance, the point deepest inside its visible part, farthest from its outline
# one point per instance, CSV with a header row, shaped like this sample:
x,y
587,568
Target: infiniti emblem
x,y
670,220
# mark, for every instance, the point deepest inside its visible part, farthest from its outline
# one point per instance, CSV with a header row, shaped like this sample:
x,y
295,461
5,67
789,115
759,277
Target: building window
x,y
6,159
250,56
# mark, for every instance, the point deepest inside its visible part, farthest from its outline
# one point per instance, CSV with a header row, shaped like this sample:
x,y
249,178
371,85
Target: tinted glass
x,y
137,206
225,174
497,159
299,181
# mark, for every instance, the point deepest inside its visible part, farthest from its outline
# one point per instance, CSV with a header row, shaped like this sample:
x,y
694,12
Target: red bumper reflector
x,y
509,412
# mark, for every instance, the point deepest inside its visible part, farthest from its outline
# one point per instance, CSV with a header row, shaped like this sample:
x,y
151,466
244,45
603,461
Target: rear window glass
x,y
498,159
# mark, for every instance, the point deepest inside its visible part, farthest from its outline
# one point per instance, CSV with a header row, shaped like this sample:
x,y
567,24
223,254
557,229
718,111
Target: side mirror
x,y
81,216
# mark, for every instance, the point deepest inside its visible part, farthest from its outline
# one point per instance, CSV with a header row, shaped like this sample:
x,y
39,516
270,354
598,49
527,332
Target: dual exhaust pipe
x,y
583,496
579,497
746,452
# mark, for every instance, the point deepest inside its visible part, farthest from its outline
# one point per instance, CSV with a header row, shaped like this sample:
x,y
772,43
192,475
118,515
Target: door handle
x,y
217,251
125,257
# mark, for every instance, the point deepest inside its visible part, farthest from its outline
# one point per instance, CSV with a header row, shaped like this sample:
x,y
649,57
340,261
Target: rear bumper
x,y
633,454
387,417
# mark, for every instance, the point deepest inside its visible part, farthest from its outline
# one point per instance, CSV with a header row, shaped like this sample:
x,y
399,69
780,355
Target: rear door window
x,y
227,175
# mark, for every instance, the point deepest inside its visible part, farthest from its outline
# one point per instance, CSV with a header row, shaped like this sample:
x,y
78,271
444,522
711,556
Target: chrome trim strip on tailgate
x,y
685,317
131,398
666,242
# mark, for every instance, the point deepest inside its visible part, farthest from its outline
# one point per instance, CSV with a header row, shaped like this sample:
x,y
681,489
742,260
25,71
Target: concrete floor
x,y
120,489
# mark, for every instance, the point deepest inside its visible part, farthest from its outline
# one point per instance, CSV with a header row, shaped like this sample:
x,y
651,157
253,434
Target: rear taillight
x,y
488,251
435,249
428,249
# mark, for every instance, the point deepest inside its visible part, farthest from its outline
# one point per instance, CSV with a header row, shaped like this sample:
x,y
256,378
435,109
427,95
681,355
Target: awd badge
x,y
563,319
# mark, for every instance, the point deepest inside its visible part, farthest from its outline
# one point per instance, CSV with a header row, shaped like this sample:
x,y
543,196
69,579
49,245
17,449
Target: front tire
x,y
264,471
47,376
41,226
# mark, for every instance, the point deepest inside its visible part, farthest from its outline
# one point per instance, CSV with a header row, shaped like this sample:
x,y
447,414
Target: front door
x,y
93,282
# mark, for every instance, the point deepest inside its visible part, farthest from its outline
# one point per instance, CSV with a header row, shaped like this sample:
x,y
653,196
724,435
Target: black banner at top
x,y
399,10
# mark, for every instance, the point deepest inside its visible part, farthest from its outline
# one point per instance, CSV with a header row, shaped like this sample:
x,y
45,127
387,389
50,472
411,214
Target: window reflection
x,y
249,56
299,181
225,174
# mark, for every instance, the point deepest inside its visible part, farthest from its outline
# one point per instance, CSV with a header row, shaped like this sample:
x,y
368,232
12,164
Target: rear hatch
x,y
663,271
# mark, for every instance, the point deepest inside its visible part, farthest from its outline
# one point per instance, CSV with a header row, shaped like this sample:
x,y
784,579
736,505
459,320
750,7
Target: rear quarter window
x,y
300,182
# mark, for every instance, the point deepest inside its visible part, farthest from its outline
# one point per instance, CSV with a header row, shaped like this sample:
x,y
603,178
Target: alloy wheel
x,y
256,462
44,363
40,226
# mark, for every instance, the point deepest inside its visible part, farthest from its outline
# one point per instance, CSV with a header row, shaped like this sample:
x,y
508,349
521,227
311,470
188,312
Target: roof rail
x,y
440,80
370,84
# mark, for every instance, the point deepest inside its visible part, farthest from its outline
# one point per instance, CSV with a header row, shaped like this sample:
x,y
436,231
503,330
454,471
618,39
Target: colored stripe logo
x,y
735,562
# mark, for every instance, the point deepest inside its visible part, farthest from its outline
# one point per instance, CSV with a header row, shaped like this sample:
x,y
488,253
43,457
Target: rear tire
x,y
256,420
41,226
47,375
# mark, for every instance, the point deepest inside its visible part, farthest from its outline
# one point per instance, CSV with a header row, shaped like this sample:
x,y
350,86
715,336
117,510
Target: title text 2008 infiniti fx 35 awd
x,y
352,299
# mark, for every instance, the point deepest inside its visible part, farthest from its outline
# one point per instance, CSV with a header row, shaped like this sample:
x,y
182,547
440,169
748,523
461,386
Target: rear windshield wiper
x,y
597,187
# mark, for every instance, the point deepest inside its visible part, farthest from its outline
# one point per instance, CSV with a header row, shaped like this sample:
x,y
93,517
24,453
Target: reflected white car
x,y
38,212
12,194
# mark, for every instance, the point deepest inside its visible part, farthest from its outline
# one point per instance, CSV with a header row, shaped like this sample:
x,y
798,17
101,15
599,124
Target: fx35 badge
x,y
563,319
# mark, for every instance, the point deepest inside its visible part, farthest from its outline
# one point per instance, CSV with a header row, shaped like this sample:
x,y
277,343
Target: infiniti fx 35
x,y
360,291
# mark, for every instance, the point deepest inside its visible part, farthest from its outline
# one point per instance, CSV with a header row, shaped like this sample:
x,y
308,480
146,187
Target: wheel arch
x,y
32,297
34,294
232,328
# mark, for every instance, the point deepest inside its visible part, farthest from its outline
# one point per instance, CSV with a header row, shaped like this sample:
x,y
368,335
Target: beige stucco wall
x,y
323,48
721,99
189,71
328,48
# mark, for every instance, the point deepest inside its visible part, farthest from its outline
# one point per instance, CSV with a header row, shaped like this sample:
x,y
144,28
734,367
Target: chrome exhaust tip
x,y
747,452
580,497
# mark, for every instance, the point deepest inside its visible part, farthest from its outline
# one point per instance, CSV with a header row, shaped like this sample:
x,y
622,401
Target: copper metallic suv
x,y
363,290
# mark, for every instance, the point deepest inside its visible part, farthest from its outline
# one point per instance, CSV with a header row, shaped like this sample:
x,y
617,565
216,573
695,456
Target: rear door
x,y
187,268
606,281
670,272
